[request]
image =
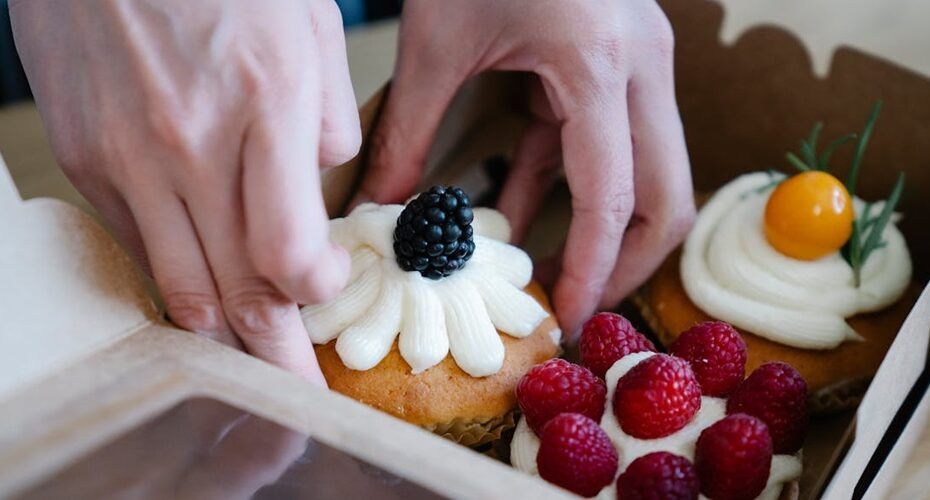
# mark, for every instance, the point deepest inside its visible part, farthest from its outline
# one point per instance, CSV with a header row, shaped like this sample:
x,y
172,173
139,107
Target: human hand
x,y
603,103
196,129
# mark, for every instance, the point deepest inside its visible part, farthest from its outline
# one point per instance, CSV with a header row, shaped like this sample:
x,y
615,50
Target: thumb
x,y
416,102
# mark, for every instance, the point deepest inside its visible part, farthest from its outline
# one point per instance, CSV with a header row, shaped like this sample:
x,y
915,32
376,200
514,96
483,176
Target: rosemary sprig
x,y
867,228
807,159
867,231
853,177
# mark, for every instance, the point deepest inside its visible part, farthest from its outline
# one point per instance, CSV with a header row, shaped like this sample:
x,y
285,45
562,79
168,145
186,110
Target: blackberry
x,y
434,234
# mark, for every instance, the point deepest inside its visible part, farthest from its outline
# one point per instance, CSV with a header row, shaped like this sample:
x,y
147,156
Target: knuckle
x,y
171,128
612,51
278,261
256,310
194,311
338,147
663,38
297,268
681,222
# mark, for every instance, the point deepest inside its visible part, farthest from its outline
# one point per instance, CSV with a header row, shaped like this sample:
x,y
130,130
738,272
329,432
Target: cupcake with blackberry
x,y
439,319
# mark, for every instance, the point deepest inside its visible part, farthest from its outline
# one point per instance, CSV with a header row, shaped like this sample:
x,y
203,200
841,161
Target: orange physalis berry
x,y
809,216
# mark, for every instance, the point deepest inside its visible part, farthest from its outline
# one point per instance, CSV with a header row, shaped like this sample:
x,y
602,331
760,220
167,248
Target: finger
x,y
418,98
536,160
340,132
599,170
664,198
267,322
179,266
287,227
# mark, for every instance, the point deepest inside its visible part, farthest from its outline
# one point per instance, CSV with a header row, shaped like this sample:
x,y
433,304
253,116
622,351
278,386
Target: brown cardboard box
x,y
90,360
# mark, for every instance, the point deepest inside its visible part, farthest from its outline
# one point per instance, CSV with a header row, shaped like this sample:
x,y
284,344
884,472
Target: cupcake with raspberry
x,y
807,272
674,425
439,319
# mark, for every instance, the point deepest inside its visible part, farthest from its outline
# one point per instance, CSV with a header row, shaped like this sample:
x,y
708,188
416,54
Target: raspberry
x,y
434,232
576,454
656,397
777,394
733,458
607,337
717,355
558,386
659,475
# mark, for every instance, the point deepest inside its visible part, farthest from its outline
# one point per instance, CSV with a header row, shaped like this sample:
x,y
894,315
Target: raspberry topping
x,y
777,394
733,458
434,232
717,355
659,476
656,397
576,454
558,386
607,337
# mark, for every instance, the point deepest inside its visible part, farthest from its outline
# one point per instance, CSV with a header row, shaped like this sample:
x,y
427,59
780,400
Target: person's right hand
x,y
197,129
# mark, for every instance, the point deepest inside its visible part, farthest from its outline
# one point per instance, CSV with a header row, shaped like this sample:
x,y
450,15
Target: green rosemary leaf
x,y
809,156
874,238
809,148
824,161
869,223
815,133
863,142
796,162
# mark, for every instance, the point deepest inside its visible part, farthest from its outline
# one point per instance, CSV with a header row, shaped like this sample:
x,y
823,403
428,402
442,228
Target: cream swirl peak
x,y
730,271
458,314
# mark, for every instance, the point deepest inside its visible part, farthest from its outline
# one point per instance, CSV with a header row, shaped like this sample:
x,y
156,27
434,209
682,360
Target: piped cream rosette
x,y
459,314
730,271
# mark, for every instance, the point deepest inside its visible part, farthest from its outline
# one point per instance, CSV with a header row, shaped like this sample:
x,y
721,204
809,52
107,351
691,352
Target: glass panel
x,y
206,449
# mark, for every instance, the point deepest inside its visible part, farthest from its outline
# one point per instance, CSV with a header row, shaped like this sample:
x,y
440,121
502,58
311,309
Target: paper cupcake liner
x,y
840,396
476,433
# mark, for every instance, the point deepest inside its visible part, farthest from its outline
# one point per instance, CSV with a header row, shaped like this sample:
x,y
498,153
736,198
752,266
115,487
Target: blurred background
x,y
13,85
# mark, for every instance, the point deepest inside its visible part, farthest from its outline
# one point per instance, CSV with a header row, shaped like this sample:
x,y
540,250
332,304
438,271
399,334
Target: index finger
x,y
598,160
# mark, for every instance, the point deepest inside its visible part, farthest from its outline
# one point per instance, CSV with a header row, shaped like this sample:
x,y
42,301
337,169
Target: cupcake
x,y
808,273
662,426
440,318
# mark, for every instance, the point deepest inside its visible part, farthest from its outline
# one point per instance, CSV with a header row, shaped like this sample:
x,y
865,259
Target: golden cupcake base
x,y
837,378
444,399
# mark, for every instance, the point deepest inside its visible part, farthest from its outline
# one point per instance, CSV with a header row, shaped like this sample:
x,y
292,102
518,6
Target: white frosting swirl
x,y
460,314
525,444
732,273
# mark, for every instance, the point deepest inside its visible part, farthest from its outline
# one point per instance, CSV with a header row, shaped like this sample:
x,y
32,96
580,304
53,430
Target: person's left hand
x,y
604,104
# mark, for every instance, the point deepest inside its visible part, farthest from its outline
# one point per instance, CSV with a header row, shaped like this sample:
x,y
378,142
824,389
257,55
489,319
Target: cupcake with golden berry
x,y
440,318
657,425
807,272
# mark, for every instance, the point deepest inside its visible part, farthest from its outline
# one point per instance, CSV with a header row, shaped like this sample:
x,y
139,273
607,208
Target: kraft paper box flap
x,y
67,288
